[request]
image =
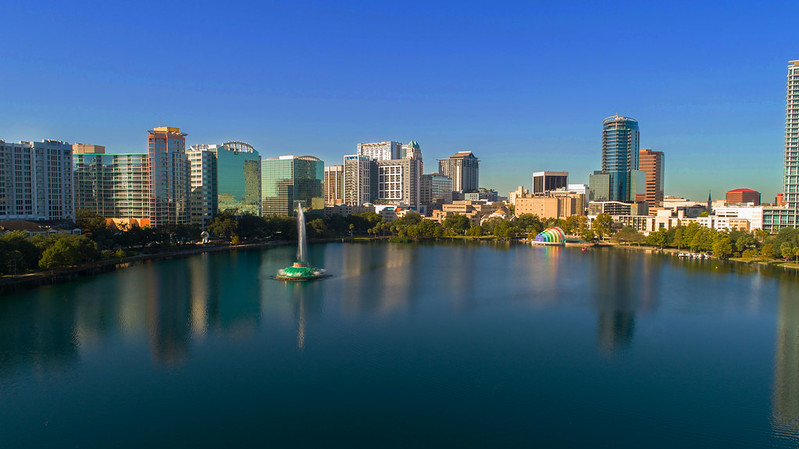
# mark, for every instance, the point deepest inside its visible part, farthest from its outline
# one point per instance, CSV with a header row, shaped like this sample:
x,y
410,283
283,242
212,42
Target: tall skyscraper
x,y
169,176
412,151
778,217
651,163
464,169
792,139
289,180
203,202
334,184
36,181
620,136
380,151
360,180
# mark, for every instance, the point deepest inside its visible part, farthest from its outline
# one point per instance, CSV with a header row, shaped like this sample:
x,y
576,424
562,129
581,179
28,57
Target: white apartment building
x,y
380,151
203,199
36,181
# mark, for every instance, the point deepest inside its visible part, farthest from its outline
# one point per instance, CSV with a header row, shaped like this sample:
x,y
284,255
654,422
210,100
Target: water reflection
x,y
38,335
785,400
621,284
169,313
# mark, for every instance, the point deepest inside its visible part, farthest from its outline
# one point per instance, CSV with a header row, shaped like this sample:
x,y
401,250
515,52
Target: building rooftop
x,y
742,190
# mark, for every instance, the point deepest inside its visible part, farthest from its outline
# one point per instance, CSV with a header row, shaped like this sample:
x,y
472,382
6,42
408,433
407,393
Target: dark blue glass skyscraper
x,y
620,138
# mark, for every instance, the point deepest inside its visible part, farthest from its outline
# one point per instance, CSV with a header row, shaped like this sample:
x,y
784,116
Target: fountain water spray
x,y
300,271
301,245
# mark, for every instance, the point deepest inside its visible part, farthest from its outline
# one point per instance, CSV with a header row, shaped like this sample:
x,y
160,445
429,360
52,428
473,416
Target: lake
x,y
445,345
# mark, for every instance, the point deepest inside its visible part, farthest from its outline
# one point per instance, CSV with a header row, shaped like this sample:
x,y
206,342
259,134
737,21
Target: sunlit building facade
x,y
334,185
290,180
36,181
651,162
785,215
360,180
112,185
620,140
203,203
464,169
169,177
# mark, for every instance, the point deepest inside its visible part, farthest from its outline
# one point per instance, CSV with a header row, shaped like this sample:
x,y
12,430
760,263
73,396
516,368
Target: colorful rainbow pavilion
x,y
550,236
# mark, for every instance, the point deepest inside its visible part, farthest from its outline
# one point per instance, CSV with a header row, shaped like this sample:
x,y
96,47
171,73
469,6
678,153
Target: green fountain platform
x,y
300,271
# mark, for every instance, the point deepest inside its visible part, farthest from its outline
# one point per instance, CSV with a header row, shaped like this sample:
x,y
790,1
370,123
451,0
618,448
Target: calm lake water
x,y
461,345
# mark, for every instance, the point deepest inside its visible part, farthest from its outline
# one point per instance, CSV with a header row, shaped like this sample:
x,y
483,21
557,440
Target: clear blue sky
x,y
523,86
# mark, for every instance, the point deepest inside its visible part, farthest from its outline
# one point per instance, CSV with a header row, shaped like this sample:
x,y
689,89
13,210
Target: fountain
x,y
300,271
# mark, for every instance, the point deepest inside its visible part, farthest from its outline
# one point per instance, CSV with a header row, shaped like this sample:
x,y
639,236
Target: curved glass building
x,y
620,136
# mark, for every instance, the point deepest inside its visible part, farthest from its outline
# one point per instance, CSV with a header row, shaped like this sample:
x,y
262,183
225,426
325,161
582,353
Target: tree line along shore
x,y
21,254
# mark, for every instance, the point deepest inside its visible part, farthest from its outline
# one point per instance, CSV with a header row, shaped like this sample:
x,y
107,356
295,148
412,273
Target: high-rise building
x,y
236,180
334,185
620,136
792,139
112,185
598,186
169,177
290,180
238,174
36,181
380,151
464,169
637,183
547,181
435,188
203,202
651,162
778,217
398,182
360,180
412,151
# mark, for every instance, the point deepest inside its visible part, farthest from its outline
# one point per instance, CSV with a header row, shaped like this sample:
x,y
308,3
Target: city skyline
x,y
710,95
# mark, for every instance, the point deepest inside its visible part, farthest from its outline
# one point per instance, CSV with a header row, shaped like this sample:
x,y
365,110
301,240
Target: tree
x,y
602,225
18,241
503,230
677,239
768,252
69,250
529,223
786,251
457,223
571,224
223,225
659,238
318,228
588,235
475,231
723,248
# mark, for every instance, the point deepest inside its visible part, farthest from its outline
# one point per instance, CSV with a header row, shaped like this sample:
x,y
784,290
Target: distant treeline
x,y
20,253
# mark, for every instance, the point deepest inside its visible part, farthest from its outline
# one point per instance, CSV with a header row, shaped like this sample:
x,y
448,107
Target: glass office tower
x,y
289,180
238,167
620,136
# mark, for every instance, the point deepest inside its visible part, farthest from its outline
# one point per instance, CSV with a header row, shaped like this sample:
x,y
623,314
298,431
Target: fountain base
x,y
300,271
